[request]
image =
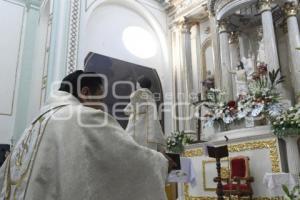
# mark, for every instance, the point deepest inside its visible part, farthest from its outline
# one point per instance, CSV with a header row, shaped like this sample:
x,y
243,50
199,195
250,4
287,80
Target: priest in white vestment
x,y
143,124
73,151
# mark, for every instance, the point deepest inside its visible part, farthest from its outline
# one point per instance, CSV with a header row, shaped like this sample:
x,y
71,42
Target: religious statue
x,y
208,83
260,58
241,80
249,65
143,125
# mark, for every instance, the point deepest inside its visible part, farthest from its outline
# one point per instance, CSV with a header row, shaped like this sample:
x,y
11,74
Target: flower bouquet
x,y
263,98
177,140
223,113
261,103
288,123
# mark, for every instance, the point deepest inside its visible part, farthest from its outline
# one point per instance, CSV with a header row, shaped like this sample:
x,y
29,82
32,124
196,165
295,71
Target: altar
x,y
258,143
239,57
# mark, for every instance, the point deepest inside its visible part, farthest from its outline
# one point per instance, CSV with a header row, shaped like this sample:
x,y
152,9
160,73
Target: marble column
x,y
271,53
181,58
234,58
186,72
216,49
290,9
196,58
175,74
226,77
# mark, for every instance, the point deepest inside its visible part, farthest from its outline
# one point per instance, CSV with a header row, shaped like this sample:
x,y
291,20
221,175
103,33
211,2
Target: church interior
x,y
225,75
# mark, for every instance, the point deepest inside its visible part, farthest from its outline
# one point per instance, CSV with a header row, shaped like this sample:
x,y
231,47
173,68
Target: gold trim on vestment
x,y
23,150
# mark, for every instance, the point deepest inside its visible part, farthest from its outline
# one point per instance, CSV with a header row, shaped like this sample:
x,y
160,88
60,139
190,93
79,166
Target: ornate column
x,y
195,53
269,38
182,70
216,49
226,77
186,72
234,57
286,64
290,9
175,74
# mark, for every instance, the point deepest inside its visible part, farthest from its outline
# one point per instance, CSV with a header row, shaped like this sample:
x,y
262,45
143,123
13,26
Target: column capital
x,y
183,25
234,37
290,9
264,5
223,25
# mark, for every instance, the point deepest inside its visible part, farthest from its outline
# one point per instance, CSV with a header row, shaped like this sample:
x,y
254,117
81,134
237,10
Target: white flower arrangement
x,y
262,100
177,140
287,123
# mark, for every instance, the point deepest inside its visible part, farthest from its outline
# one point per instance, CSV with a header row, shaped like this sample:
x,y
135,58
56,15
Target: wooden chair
x,y
239,181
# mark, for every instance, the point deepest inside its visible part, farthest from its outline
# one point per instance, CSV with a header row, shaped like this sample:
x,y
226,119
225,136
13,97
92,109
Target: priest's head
x,y
87,87
145,82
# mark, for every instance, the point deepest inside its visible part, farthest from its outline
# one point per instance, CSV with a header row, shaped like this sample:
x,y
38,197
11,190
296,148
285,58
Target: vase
x,y
293,155
260,121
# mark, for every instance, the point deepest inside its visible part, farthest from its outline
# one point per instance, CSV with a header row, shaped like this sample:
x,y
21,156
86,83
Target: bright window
x,y
139,42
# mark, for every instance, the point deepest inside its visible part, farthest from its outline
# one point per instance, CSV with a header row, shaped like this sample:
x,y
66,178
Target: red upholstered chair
x,y
239,181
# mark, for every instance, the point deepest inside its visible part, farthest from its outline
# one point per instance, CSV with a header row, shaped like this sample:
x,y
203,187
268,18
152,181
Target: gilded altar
x,y
257,143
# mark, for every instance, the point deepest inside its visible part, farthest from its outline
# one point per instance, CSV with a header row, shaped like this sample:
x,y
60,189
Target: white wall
x,y
11,23
104,35
102,25
41,52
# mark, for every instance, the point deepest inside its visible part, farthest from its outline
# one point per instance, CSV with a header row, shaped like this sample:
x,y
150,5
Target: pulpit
x,y
218,153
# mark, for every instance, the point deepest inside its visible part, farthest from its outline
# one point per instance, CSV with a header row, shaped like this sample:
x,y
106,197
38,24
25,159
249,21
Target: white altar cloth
x,y
274,182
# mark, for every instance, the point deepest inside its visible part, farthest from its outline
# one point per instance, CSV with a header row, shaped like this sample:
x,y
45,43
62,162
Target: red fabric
x,y
238,168
234,187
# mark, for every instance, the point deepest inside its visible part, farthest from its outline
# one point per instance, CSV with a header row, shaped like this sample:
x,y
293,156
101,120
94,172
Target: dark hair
x,y
145,82
241,66
81,79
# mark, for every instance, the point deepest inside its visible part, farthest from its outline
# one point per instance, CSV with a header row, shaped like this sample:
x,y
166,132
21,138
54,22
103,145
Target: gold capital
x,y
184,25
223,25
290,9
234,37
264,5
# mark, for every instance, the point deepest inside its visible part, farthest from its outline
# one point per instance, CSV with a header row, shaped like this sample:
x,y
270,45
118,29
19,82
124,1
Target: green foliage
x,y
294,194
275,78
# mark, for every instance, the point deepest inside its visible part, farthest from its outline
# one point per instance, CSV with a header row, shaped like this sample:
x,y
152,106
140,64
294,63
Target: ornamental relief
x,y
181,6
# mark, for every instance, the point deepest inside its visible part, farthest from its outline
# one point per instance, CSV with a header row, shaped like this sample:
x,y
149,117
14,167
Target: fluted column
x,y
286,64
186,71
290,9
216,50
226,77
175,74
195,53
234,57
269,38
